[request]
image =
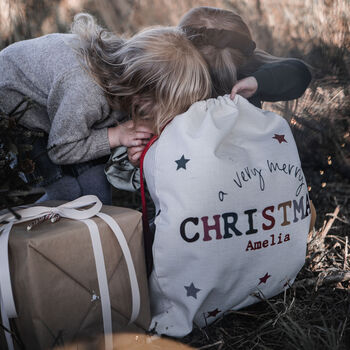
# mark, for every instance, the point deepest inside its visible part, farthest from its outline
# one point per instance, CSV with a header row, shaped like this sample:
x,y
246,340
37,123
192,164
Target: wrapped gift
x,y
81,276
130,341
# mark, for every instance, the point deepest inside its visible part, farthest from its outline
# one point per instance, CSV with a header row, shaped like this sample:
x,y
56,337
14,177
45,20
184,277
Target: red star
x,y
213,313
280,138
264,279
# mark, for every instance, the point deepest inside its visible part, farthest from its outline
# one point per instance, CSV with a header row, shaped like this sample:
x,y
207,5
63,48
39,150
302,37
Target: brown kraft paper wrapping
x,y
55,284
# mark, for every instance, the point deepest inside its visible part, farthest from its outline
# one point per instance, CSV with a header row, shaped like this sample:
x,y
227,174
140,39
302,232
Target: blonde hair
x,y
225,64
156,74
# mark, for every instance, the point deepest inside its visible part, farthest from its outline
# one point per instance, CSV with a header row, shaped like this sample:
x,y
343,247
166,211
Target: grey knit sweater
x,y
70,107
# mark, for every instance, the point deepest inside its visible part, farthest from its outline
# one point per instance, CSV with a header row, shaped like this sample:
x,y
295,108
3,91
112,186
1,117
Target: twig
x,y
14,336
221,346
220,342
241,313
336,238
343,329
340,219
336,278
330,223
346,253
10,209
32,191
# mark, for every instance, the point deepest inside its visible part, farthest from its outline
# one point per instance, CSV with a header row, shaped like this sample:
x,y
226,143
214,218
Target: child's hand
x,y
129,135
134,154
245,87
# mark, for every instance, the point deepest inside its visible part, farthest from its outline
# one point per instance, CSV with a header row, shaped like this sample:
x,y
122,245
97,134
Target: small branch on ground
x,y
328,277
209,346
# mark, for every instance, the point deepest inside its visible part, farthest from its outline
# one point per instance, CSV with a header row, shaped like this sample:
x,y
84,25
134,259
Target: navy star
x,y
280,138
213,313
192,290
264,279
181,163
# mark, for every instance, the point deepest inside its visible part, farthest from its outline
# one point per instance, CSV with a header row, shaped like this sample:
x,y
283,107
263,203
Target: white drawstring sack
x,y
233,212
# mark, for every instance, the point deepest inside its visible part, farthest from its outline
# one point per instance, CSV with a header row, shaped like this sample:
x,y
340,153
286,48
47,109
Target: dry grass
x,y
315,312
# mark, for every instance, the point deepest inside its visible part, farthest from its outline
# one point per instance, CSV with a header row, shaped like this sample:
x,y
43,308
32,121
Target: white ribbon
x,y
102,282
6,323
69,210
135,291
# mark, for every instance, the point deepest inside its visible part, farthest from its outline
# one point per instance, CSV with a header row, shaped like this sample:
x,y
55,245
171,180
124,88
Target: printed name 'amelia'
x,y
293,210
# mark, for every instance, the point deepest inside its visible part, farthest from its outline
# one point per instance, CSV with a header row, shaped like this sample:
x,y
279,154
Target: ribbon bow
x,y
68,210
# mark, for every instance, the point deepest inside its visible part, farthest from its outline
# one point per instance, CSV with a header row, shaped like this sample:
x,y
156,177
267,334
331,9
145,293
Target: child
x,y
84,84
236,65
225,42
232,205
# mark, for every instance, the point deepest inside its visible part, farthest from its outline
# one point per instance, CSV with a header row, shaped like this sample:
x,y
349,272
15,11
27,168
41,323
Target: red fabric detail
x,y
143,197
148,238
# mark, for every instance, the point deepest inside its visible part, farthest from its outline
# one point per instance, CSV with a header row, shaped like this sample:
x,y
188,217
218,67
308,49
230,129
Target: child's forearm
x,y
67,149
113,137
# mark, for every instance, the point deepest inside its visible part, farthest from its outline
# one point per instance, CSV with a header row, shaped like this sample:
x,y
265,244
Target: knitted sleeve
x,y
75,105
282,81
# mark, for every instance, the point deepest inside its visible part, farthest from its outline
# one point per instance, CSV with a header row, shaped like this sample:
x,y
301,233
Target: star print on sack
x,y
192,290
265,278
280,138
181,163
213,313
